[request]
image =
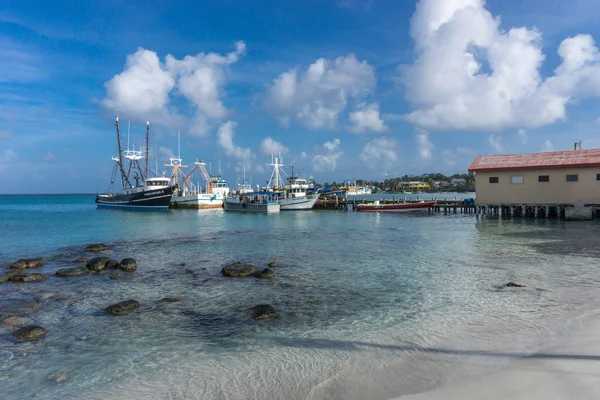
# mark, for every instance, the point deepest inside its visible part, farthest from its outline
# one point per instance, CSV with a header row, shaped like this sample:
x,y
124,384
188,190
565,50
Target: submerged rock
x,y
263,311
30,333
80,260
11,322
171,299
13,307
272,264
266,273
238,269
512,284
97,247
128,265
97,263
112,264
115,276
123,307
22,278
78,271
27,263
189,271
7,276
182,264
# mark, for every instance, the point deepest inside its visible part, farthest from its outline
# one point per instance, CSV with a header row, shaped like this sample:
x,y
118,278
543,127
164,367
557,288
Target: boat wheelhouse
x,y
253,202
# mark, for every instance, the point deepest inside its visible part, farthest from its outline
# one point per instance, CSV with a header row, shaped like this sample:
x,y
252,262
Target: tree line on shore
x,y
437,182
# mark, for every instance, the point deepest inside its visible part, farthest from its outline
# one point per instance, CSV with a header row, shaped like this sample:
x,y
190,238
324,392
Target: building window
x,y
517,179
572,178
544,178
598,177
494,179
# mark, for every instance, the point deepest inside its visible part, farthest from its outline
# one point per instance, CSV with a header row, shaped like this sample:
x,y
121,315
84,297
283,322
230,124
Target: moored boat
x,y
395,207
253,202
147,193
293,195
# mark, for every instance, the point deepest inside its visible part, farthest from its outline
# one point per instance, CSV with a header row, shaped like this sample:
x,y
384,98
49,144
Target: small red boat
x,y
395,207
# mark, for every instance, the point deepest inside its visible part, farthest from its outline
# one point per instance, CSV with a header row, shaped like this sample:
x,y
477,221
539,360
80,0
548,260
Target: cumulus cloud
x,y
548,146
326,156
316,97
242,155
146,87
470,74
303,155
424,146
270,146
495,143
522,135
380,153
366,118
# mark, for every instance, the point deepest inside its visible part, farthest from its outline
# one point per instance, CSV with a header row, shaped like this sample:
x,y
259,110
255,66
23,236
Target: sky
x,y
342,89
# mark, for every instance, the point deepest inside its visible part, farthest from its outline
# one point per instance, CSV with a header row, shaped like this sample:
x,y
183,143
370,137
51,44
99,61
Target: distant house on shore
x,y
559,178
457,181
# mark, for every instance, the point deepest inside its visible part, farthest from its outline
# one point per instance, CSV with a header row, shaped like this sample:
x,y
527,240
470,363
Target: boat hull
x,y
156,199
299,203
229,205
402,207
197,201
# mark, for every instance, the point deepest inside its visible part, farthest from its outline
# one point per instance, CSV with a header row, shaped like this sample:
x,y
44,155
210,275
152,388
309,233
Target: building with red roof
x,y
553,178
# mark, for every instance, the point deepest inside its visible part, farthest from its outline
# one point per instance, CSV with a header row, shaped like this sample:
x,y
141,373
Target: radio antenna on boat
x,y
147,149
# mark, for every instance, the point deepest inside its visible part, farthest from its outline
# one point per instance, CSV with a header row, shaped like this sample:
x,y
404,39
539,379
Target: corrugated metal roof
x,y
555,159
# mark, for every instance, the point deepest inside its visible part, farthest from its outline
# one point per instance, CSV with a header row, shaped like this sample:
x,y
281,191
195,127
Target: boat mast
x,y
123,179
147,148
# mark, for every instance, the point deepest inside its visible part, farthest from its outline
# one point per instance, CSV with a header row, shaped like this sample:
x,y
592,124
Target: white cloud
x,y
495,143
165,153
242,155
146,86
316,97
548,146
367,118
380,153
470,74
424,146
270,146
49,157
522,135
327,155
303,155
7,157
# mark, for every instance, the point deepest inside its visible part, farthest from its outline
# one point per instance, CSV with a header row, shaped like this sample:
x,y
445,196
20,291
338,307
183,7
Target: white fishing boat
x,y
190,195
257,202
352,189
293,194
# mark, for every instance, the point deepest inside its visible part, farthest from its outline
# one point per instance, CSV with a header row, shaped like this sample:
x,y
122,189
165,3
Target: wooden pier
x,y
442,206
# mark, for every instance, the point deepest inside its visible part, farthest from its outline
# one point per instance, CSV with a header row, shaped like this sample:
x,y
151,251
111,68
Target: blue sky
x,y
344,89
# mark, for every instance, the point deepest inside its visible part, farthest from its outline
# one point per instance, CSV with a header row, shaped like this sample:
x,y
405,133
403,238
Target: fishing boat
x,y
293,194
395,207
190,195
352,189
257,202
147,193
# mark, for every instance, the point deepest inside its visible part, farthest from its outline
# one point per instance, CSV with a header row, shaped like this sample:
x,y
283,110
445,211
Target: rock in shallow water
x,y
97,263
27,263
512,284
30,333
238,269
97,247
6,277
171,299
23,278
72,272
112,264
266,273
263,311
115,276
128,265
123,307
272,264
80,260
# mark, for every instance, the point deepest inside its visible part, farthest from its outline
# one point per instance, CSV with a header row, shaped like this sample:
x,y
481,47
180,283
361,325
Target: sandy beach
x,y
569,370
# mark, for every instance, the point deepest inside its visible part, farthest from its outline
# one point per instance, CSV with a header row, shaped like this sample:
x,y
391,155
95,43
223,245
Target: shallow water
x,y
369,306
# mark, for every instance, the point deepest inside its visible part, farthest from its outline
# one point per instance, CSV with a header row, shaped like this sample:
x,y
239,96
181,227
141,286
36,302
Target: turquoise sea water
x,y
369,306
